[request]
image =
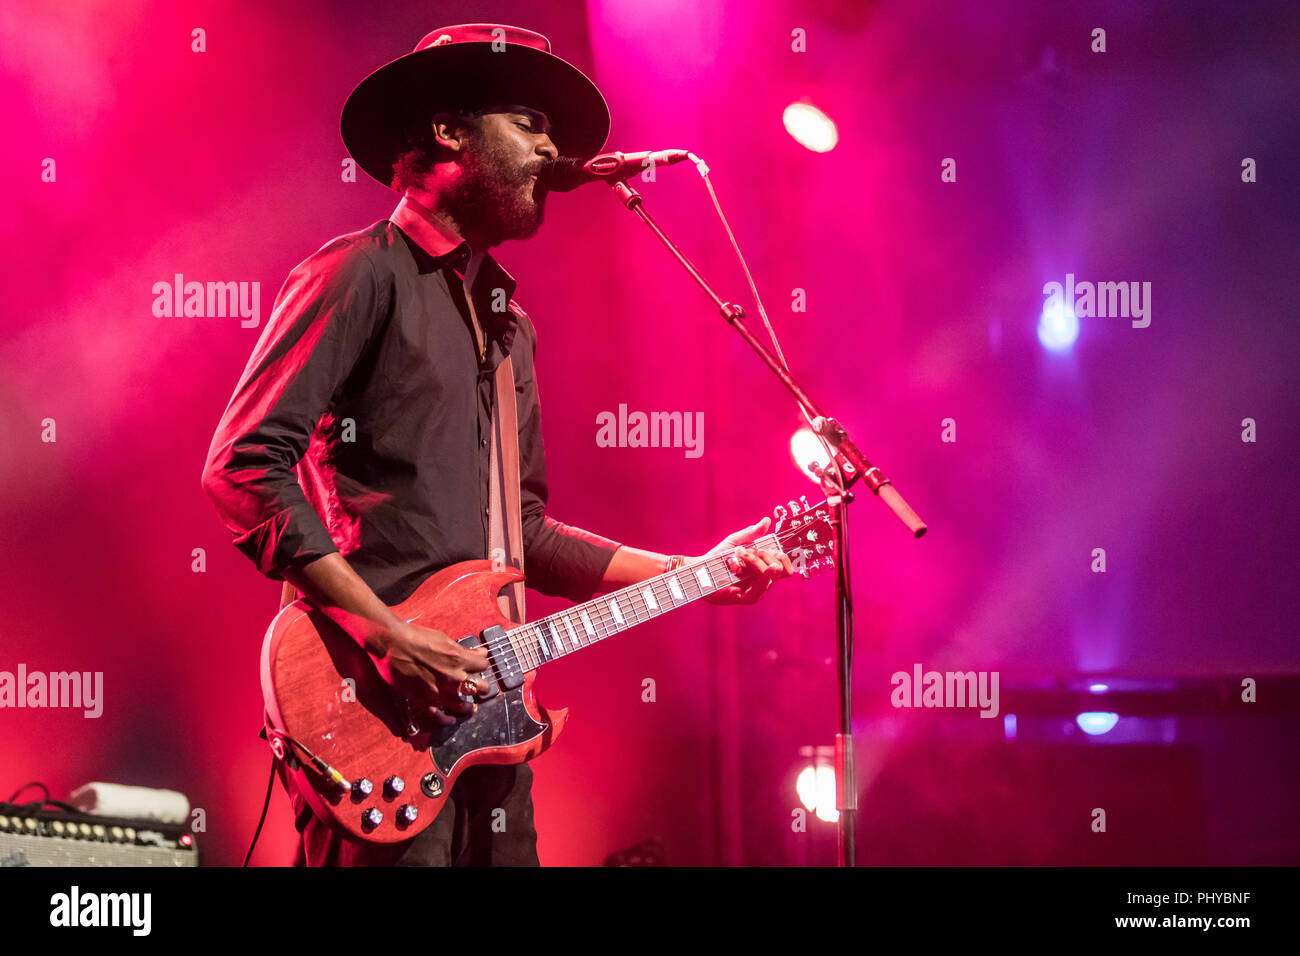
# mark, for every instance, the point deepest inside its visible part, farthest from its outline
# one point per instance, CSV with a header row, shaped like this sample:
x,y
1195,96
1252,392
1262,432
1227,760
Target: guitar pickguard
x,y
501,721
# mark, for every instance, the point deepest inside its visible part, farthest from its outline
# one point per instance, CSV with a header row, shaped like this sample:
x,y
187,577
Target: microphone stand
x,y
849,465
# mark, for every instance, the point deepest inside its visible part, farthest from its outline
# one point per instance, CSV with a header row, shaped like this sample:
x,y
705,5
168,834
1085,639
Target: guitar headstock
x,y
804,532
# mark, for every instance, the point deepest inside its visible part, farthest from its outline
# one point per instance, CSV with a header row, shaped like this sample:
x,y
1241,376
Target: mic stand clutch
x,y
849,466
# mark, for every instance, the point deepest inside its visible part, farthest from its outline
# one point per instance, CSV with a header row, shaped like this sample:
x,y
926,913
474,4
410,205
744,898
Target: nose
x,y
547,148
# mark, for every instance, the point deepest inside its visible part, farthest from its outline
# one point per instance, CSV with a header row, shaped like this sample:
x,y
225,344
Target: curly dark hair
x,y
420,151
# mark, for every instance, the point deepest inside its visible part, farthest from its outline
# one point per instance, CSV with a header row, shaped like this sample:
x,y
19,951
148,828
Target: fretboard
x,y
550,638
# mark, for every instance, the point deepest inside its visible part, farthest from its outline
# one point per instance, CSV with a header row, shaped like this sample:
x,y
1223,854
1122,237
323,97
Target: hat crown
x,y
484,33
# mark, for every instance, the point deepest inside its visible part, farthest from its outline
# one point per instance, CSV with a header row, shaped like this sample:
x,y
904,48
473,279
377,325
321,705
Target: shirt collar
x,y
413,218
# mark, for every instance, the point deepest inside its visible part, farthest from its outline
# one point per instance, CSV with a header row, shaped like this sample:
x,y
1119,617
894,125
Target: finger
x,y
742,563
756,563
450,699
436,717
779,564
480,685
726,595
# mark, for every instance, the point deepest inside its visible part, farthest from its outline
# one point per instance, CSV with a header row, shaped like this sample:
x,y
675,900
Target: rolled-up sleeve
x,y
324,316
559,559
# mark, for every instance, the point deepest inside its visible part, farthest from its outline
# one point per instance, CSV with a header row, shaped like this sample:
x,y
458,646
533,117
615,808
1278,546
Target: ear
x,y
448,131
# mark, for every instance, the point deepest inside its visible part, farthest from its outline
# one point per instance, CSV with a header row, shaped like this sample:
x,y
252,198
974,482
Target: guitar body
x,y
323,691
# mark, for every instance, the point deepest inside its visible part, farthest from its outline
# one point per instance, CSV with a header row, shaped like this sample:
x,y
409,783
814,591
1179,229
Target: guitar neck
x,y
558,635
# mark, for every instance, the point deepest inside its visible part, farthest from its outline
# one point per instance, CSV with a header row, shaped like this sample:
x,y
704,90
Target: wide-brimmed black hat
x,y
471,66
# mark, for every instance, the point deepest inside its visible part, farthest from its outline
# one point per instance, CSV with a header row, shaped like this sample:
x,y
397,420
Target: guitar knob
x,y
372,818
394,785
361,787
407,813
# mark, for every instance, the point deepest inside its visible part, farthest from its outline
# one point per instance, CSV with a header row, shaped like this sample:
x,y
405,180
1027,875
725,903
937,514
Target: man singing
x,y
353,458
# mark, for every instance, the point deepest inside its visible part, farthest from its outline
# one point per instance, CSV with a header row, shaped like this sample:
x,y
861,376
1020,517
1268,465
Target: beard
x,y
494,197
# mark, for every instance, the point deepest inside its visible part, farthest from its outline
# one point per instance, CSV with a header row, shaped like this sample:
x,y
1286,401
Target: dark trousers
x,y
486,821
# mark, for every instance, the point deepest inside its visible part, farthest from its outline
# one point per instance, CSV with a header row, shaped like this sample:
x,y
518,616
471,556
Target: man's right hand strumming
x,y
424,667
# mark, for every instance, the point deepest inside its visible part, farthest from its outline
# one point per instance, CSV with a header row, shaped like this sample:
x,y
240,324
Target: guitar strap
x,y
504,517
505,535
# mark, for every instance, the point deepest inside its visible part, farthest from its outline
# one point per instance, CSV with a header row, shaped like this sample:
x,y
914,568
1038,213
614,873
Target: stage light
x,y
1009,726
810,127
1098,688
816,788
806,449
1058,327
1097,722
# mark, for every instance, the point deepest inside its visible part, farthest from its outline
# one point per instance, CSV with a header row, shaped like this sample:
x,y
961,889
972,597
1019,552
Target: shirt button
x,y
485,512
483,443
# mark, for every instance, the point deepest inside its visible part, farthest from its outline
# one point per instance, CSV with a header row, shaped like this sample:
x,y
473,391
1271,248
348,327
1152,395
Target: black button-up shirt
x,y
361,422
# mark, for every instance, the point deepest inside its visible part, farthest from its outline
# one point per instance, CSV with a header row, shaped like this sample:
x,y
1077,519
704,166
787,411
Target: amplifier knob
x,y
394,785
372,818
407,813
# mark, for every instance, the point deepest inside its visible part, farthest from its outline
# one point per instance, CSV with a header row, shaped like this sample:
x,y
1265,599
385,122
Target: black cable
x,y
266,805
28,786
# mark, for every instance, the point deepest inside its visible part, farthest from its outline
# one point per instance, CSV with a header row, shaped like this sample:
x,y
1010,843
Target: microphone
x,y
567,172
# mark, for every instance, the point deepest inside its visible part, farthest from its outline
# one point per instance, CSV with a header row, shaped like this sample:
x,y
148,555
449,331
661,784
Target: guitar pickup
x,y
502,662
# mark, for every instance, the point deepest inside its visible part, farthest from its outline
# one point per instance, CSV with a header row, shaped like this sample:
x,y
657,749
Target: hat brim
x,y
402,93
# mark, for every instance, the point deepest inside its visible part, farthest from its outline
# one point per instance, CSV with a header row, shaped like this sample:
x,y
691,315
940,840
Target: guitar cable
x,y
276,739
321,766
266,805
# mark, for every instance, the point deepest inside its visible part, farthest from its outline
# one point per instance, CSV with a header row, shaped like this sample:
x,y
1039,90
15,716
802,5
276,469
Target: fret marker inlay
x,y
557,637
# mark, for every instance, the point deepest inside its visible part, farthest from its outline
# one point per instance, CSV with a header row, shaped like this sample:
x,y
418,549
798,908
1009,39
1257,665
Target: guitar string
x,y
603,622
632,597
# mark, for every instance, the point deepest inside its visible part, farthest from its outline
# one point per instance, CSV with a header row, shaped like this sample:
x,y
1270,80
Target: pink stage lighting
x,y
810,127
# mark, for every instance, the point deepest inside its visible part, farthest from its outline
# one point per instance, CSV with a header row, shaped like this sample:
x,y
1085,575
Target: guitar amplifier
x,y
46,837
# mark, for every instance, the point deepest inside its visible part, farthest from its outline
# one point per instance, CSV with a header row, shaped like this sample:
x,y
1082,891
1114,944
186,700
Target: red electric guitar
x,y
356,756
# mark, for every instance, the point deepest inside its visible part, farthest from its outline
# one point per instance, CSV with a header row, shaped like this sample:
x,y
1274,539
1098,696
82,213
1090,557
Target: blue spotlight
x,y
1097,722
1058,327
